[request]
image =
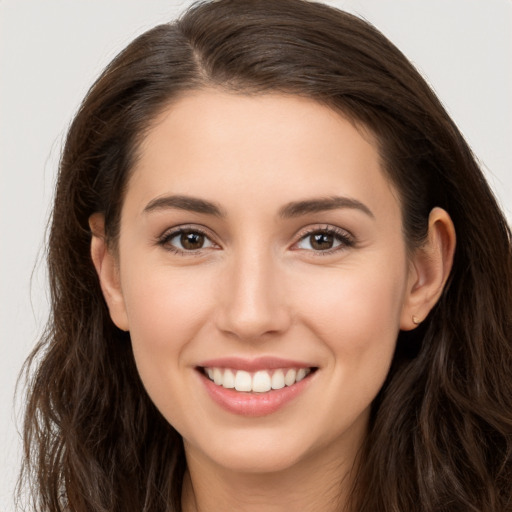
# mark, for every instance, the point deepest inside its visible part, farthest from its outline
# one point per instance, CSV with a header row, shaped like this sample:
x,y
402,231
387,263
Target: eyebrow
x,y
290,210
298,208
180,202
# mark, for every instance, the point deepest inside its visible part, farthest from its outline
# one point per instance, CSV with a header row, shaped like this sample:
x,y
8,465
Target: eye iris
x,y
321,241
192,241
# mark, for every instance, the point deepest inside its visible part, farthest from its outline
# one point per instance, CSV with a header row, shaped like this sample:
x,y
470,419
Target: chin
x,y
252,454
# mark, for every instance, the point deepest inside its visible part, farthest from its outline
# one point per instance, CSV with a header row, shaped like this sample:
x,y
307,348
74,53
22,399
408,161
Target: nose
x,y
253,302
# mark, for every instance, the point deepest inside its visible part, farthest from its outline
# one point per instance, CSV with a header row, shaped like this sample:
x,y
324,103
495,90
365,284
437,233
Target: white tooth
x,y
217,376
209,371
278,379
301,373
289,378
261,382
229,379
243,381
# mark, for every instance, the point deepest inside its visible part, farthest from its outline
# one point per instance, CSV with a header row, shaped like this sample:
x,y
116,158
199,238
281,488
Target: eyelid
x,y
174,231
346,237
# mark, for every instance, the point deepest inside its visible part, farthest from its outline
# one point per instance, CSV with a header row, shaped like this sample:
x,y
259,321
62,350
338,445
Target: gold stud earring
x,y
415,320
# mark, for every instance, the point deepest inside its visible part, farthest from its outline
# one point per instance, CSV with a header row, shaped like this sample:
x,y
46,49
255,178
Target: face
x,y
263,276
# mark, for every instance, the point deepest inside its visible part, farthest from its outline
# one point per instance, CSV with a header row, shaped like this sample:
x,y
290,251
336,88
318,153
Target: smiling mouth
x,y
261,381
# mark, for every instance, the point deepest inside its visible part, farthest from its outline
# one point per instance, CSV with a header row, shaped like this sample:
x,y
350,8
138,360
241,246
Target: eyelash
x,y
169,235
346,240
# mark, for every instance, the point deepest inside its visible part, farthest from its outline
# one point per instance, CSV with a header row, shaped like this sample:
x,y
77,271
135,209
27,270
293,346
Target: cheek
x,y
161,296
166,309
355,314
355,309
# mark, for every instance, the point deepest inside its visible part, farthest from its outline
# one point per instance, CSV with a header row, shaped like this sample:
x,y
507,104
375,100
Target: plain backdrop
x,y
52,50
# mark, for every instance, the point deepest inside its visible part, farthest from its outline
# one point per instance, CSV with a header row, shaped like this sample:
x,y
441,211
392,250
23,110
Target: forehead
x,y
215,143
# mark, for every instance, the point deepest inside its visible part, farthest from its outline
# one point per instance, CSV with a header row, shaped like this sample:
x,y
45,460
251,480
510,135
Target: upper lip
x,y
254,364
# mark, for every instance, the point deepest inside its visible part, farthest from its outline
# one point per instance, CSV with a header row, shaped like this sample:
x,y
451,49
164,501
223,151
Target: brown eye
x,y
321,241
191,241
325,240
186,240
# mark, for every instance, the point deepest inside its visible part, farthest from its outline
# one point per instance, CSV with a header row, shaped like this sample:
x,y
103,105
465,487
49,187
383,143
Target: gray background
x,y
51,51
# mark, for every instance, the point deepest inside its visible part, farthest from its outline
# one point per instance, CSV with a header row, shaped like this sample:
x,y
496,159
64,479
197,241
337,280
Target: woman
x,y
279,280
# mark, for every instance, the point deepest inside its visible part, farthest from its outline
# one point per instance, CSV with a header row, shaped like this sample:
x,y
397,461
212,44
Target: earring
x,y
415,320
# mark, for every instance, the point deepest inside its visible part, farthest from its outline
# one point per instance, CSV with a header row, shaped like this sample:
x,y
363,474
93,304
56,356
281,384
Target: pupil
x,y
321,241
192,240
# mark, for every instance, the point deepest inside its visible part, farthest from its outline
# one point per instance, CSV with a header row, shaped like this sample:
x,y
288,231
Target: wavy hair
x,y
440,434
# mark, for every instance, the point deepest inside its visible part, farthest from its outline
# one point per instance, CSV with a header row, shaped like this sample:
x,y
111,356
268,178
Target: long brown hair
x,y
441,427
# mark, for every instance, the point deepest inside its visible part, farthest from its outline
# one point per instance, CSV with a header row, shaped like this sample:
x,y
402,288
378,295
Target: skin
x,y
258,287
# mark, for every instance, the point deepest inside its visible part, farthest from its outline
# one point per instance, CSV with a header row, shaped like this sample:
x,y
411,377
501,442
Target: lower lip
x,y
254,404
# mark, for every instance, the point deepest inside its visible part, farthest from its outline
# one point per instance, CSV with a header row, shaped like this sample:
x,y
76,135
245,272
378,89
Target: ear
x,y
429,270
107,269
